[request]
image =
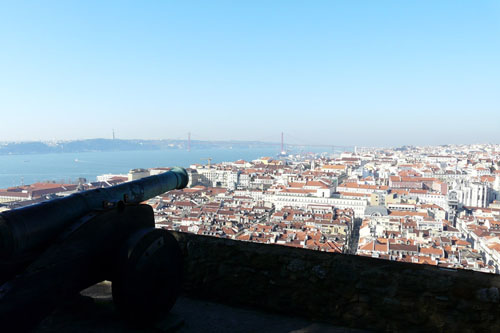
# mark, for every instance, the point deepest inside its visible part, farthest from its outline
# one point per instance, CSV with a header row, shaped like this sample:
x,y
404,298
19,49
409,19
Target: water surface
x,y
68,167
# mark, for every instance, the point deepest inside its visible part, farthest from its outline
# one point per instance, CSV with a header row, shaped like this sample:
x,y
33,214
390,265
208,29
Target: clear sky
x,y
337,72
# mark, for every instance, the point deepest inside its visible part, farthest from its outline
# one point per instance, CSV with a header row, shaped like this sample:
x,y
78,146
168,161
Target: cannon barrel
x,y
30,228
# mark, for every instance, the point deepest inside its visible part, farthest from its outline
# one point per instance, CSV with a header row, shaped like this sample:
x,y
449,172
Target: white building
x,y
472,194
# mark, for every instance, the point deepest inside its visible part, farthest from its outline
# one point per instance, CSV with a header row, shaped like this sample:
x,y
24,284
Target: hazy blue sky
x,y
339,72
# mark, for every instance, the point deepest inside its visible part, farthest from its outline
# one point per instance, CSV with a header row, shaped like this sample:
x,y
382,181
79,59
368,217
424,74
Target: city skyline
x,y
434,205
366,74
185,143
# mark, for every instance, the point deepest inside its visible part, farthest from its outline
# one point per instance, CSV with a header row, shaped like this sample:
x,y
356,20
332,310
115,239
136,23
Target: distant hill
x,y
89,145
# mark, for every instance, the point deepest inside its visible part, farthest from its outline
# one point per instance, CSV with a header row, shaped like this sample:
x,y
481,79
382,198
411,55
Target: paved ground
x,y
95,313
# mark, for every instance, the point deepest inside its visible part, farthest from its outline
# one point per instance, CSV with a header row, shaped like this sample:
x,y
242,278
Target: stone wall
x,y
342,289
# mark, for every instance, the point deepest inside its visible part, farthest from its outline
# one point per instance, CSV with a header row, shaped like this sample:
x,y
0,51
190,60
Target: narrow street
x,y
353,237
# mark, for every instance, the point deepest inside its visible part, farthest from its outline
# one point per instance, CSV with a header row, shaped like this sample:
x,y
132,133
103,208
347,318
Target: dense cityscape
x,y
424,205
144,186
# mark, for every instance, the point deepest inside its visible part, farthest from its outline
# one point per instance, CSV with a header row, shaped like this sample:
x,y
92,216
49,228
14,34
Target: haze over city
x,y
348,73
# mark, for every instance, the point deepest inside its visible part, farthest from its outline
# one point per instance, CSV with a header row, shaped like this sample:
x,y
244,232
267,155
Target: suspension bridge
x,y
284,146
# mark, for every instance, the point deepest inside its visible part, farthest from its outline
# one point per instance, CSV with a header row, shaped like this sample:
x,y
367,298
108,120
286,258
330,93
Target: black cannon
x,y
51,251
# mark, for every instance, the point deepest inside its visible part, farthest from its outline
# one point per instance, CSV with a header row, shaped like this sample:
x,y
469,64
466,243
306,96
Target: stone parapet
x,y
342,289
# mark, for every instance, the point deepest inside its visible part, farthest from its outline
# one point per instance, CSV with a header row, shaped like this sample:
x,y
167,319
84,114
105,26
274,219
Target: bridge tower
x,y
282,144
